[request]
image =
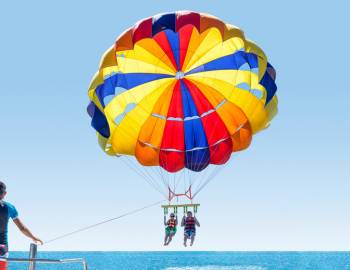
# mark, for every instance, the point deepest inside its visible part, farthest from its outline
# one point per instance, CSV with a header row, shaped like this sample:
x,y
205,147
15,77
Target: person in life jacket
x,y
190,222
7,212
170,229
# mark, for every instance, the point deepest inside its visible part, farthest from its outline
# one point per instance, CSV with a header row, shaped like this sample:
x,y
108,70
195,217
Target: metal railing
x,y
49,261
32,260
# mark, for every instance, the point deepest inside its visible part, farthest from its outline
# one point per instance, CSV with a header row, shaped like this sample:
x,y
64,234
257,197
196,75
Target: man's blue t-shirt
x,y
7,211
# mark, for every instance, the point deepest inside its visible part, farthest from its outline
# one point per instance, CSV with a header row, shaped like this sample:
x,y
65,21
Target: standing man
x,y
8,211
190,222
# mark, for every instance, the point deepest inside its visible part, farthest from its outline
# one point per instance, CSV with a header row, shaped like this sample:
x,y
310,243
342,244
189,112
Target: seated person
x,y
190,222
170,229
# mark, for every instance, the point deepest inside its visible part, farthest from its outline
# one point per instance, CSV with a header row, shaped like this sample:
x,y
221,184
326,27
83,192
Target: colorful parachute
x,y
181,91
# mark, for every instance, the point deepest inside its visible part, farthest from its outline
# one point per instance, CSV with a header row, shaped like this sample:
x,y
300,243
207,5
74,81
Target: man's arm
x,y
26,231
183,222
197,223
165,221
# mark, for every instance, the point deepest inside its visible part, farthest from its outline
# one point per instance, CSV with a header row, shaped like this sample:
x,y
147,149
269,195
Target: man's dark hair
x,y
2,188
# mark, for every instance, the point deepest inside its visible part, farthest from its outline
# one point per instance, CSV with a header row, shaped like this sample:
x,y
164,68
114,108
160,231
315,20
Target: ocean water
x,y
195,260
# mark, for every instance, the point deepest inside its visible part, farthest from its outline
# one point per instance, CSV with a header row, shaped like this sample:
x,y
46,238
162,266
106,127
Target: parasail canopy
x,y
181,92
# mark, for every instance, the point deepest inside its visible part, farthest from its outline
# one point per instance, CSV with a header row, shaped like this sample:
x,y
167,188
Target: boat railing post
x,y
85,265
32,255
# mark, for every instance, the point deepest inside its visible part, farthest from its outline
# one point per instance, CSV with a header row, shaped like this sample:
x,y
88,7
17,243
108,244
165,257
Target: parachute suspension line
x,y
126,161
169,180
163,178
209,179
198,174
177,180
168,177
208,176
145,177
185,179
173,183
156,183
160,169
215,173
103,222
207,171
154,171
143,173
212,176
149,180
190,176
173,177
157,171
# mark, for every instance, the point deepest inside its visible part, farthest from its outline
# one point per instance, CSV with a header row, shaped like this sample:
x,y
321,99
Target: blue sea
x,y
195,260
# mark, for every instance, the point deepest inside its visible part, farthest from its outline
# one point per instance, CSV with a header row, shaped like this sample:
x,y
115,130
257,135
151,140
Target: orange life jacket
x,y
171,223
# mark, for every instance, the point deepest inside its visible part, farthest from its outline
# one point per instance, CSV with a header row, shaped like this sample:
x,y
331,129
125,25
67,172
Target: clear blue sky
x,y
289,191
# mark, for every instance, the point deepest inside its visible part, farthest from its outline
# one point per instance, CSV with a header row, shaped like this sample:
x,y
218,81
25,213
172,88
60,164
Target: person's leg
x,y
193,235
166,239
192,239
185,239
170,238
166,236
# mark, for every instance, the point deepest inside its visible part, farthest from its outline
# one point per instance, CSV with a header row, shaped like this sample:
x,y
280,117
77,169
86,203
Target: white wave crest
x,y
218,267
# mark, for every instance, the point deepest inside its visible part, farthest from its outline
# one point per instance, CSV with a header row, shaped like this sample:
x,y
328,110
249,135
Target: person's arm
x,y
165,223
197,223
183,222
26,231
176,221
